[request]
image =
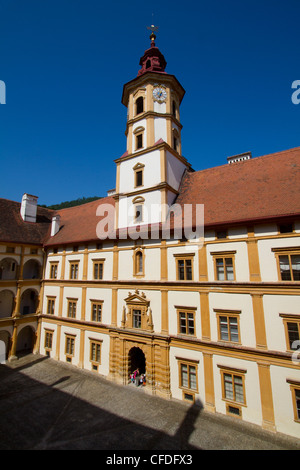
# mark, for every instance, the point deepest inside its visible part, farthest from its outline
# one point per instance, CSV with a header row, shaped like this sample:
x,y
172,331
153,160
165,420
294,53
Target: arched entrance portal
x,y
136,360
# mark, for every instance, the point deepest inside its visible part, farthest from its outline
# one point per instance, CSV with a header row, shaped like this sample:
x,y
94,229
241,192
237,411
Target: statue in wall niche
x,y
150,320
123,321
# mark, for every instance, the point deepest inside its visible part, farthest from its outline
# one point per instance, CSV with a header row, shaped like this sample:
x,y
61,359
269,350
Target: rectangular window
x,y
136,318
69,345
224,265
295,389
98,269
288,263
228,327
50,305
292,330
289,267
48,340
96,311
285,228
72,304
74,266
186,322
10,249
95,351
188,376
139,178
221,234
233,389
53,270
184,267
297,402
139,141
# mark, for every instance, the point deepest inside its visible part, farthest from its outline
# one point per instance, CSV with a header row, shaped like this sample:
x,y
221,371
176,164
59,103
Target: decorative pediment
x,y
138,130
137,298
138,166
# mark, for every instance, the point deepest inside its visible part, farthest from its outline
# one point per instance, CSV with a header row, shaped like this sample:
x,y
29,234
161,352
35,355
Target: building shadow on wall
x,y
34,415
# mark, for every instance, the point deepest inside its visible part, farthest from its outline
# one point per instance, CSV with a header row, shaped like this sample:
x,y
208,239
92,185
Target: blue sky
x,y
64,63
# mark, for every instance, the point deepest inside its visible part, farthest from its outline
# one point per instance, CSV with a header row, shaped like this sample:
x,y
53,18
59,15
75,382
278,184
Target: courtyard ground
x,y
49,405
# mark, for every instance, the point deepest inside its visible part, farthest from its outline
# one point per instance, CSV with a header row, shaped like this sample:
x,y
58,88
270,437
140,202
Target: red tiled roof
x,y
13,229
79,224
260,188
257,189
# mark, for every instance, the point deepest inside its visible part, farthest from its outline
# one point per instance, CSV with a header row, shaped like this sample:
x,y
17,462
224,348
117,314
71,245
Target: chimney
x,y
111,192
55,225
239,158
29,207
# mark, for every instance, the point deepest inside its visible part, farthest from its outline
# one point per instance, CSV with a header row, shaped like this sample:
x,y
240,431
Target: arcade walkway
x,y
48,405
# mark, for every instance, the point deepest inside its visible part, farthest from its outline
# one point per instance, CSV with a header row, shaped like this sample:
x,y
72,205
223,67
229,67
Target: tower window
x,y
174,108
139,213
139,141
148,64
139,178
138,174
138,203
139,105
176,140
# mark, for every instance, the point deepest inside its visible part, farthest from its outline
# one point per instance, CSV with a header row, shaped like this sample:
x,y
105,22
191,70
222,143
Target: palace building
x,y
213,318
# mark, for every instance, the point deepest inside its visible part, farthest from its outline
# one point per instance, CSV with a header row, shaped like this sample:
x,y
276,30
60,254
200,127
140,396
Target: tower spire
x,y
152,28
152,60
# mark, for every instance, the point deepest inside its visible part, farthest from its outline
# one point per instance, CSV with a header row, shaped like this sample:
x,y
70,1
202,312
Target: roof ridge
x,y
246,161
9,200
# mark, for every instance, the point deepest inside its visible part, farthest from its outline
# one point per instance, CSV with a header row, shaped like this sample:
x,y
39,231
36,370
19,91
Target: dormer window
x,y
139,105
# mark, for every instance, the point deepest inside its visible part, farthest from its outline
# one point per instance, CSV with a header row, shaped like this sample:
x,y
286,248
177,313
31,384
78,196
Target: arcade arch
x,y
8,269
7,302
29,301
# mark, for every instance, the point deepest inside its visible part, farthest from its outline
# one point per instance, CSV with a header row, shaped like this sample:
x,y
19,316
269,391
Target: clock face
x,y
159,94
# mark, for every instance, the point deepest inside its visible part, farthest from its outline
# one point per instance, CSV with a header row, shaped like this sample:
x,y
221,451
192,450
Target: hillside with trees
x,y
75,202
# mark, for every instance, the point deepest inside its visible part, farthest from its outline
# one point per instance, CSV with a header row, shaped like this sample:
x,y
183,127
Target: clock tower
x,y
150,171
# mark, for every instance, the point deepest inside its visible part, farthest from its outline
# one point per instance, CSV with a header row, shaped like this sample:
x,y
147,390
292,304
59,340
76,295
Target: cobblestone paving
x,y
49,405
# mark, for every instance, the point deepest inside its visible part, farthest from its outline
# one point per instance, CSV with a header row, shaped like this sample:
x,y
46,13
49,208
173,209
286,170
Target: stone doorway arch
x,y
136,360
